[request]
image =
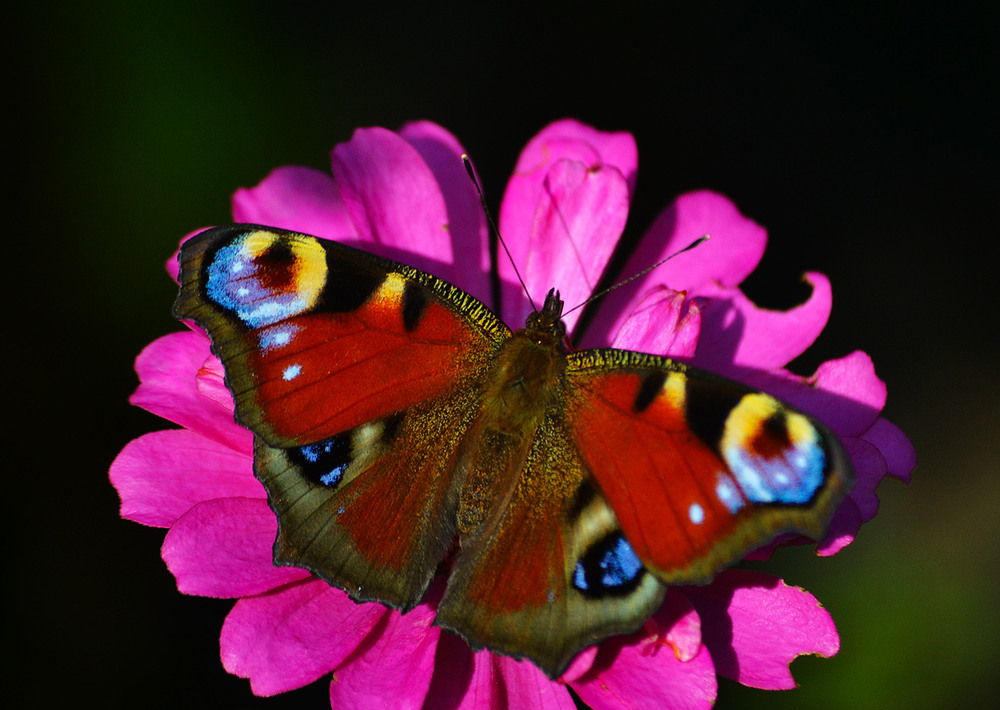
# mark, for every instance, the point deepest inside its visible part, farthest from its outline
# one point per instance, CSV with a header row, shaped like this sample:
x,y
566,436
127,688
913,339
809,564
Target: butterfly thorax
x,y
528,371
524,385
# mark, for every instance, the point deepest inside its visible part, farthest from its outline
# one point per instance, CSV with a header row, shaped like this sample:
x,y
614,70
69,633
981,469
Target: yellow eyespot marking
x,y
675,390
774,454
390,291
747,419
309,269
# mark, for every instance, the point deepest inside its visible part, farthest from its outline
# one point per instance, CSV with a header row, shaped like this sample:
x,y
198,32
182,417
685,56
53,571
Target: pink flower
x,y
405,195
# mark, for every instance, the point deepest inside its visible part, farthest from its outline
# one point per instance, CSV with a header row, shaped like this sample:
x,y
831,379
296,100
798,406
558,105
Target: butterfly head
x,y
547,324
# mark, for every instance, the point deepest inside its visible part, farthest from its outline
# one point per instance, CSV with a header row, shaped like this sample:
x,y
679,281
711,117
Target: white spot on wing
x,y
728,493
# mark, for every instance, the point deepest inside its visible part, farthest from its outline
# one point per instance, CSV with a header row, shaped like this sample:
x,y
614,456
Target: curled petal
x,y
222,548
580,665
565,140
664,322
290,637
168,387
211,382
612,148
466,219
394,200
735,248
580,215
296,198
738,334
842,530
682,624
756,625
845,394
869,469
393,665
899,454
161,475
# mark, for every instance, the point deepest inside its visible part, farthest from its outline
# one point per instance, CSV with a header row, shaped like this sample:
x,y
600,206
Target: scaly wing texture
x,y
358,377
699,469
550,574
317,337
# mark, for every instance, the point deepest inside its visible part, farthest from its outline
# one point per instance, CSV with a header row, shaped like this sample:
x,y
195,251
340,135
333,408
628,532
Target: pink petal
x,y
678,624
842,530
670,669
664,322
860,505
392,667
735,332
845,394
895,447
755,625
161,475
580,665
735,248
466,218
464,680
579,217
290,637
222,548
453,671
394,201
172,265
168,369
296,198
614,148
564,140
869,469
211,382
527,687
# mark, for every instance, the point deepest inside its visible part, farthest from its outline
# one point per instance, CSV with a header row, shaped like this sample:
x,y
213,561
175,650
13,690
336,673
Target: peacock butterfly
x,y
401,426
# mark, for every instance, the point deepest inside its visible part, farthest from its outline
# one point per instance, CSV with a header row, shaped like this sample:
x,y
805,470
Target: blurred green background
x,y
863,136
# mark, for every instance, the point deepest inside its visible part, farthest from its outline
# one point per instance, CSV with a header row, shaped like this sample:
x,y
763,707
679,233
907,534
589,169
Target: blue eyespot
x,y
234,285
793,478
325,461
610,566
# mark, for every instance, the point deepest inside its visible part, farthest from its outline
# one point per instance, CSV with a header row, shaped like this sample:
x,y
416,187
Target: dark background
x,y
863,136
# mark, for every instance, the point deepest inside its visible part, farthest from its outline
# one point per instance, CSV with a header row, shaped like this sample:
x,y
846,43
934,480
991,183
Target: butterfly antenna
x,y
600,294
493,227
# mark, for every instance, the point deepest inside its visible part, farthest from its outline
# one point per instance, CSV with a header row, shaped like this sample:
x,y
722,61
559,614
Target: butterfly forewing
x,y
317,337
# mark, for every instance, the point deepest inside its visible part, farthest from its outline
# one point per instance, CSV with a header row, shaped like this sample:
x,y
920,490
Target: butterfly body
x,y
400,426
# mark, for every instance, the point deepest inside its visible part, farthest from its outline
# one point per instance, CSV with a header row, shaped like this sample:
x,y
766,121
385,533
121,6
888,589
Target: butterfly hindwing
x,y
371,510
699,469
550,573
